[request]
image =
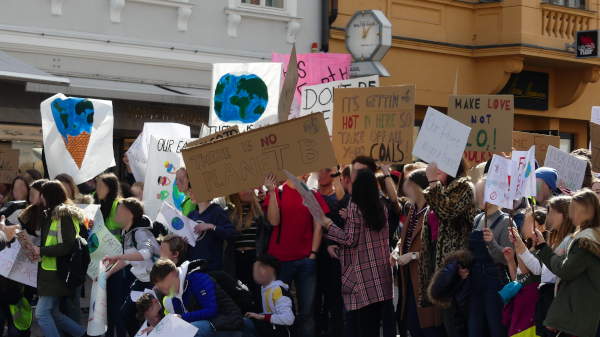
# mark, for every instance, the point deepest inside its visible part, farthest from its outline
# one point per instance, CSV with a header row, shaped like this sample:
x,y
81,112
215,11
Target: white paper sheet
x,y
441,140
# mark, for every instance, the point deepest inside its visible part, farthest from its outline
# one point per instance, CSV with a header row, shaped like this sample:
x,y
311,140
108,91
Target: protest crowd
x,y
284,231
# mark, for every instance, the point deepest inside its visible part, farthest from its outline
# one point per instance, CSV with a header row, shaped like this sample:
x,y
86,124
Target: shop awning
x,y
12,68
87,87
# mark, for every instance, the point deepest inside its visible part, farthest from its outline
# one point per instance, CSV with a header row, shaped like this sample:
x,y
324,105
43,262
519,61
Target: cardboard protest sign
x,y
9,165
137,154
160,185
308,197
79,132
177,223
522,182
208,137
315,68
571,170
244,94
242,161
522,141
441,140
474,158
376,122
169,326
289,88
497,184
319,97
595,146
16,266
491,118
101,242
97,322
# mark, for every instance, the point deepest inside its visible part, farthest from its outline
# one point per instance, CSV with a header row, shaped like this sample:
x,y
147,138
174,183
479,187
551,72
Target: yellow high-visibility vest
x,y
22,315
54,238
110,223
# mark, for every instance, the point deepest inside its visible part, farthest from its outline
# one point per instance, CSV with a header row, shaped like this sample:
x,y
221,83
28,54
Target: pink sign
x,y
316,68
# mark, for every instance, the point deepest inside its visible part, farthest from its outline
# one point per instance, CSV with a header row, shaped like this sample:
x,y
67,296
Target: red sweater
x,y
296,225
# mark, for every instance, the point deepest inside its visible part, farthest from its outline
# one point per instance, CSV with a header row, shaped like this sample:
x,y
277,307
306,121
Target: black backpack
x,y
238,292
72,268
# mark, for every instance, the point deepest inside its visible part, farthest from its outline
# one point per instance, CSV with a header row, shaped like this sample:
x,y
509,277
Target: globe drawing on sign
x,y
240,98
177,223
74,119
93,243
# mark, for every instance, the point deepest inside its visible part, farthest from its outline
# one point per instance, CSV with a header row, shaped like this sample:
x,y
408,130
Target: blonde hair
x,y
237,214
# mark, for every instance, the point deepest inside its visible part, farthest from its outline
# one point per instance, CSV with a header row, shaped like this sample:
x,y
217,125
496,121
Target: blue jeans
x,y
51,319
118,288
304,275
206,329
71,305
485,305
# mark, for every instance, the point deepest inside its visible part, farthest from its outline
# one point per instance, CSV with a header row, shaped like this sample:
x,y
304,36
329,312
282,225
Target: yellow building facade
x,y
519,47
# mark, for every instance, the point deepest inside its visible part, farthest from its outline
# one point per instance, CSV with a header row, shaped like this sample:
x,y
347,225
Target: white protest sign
x,y
595,115
137,154
244,94
15,265
169,326
441,140
160,185
101,242
522,182
497,184
308,197
319,98
78,135
571,170
97,321
177,223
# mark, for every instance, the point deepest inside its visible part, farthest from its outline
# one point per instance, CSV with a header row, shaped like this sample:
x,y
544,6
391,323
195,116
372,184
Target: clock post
x,y
368,39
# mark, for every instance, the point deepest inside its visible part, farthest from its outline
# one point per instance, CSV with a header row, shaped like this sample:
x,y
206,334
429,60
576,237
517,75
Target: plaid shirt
x,y
364,256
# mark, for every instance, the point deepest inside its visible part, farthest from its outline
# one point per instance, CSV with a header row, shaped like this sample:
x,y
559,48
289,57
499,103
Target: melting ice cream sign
x,y
77,135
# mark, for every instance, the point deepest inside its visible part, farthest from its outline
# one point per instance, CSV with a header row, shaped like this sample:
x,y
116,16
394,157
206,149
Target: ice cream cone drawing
x,y
74,118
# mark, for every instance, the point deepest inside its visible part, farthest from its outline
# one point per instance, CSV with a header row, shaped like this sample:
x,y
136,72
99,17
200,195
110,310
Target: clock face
x,y
363,35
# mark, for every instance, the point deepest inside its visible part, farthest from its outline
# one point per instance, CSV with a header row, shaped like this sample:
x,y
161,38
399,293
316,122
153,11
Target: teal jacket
x,y
576,308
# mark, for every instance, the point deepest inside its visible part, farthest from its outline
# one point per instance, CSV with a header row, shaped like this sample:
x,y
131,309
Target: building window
x,y
568,3
275,10
265,3
530,89
566,141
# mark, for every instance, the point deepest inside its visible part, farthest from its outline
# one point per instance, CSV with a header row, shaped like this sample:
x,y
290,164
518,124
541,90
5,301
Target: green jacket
x,y
576,308
48,282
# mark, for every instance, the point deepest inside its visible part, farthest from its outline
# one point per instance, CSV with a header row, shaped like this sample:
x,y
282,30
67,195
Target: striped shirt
x,y
247,237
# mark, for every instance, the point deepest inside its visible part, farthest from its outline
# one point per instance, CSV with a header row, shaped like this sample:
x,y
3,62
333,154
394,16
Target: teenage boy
x,y
196,297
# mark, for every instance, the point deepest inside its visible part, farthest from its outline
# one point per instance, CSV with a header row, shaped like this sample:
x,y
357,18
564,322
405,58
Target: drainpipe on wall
x,y
327,18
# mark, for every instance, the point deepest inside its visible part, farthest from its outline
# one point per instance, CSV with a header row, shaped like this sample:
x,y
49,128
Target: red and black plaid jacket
x,y
364,256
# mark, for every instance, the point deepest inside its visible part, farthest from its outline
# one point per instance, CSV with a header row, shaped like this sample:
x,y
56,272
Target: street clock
x,y
368,39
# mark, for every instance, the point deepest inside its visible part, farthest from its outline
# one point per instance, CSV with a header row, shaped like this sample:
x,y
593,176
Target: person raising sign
x,y
295,241
213,228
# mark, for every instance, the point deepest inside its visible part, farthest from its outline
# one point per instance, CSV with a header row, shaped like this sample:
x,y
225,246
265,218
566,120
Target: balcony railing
x,y
563,23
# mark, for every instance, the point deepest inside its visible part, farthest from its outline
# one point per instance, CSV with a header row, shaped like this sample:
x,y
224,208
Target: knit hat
x,y
548,175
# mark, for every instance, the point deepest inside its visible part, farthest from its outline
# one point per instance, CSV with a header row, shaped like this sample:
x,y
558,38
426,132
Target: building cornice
x,y
478,51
